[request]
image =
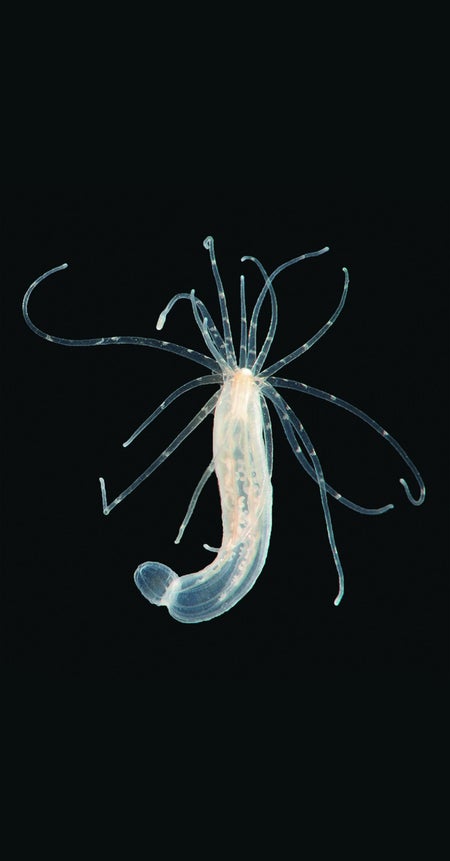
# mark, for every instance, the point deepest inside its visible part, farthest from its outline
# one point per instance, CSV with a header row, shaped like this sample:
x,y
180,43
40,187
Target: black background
x,y
70,602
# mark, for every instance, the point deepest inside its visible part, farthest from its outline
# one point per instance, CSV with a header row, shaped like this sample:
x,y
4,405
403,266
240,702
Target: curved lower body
x,y
212,591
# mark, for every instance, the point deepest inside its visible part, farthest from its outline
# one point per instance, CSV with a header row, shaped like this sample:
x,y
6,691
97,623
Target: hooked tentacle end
x,y
409,495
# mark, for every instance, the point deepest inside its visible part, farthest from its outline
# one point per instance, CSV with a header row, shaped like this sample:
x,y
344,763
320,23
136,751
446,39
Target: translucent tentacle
x,y
281,383
268,372
194,499
277,400
200,313
291,429
118,340
252,343
243,345
268,437
268,286
256,366
208,243
212,379
193,424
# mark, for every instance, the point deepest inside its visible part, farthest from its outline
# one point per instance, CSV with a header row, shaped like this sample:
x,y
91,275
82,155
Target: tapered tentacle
x,y
207,473
118,340
193,424
281,383
281,405
268,286
201,313
268,437
212,379
291,426
243,344
269,372
208,243
252,361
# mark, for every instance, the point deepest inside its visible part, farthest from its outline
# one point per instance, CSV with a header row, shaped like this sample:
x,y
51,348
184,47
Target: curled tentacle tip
x,y
208,242
409,495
